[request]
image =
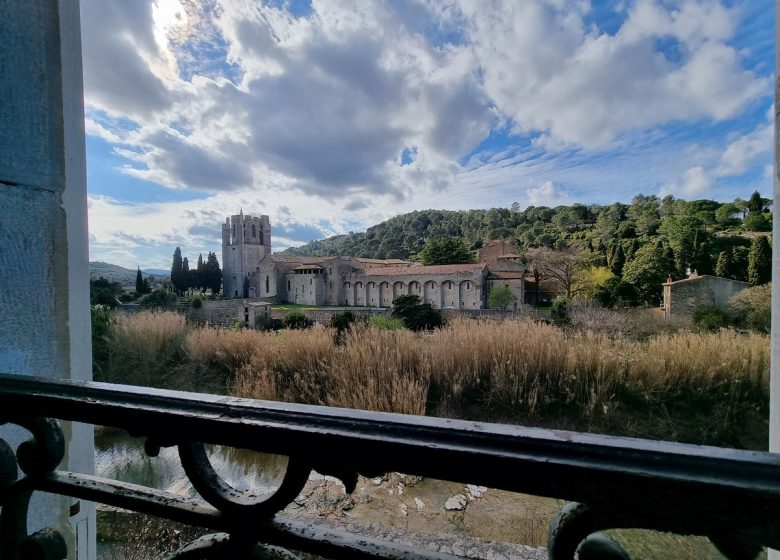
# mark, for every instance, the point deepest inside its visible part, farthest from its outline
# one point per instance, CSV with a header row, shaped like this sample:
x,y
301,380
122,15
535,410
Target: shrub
x,y
296,320
559,311
711,318
159,298
754,307
500,296
385,323
415,315
197,303
102,322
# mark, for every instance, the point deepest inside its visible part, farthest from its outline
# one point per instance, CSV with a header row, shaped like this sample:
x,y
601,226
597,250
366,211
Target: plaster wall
x,y
43,229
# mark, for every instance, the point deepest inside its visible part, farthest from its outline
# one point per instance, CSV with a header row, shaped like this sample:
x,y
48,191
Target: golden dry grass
x,y
510,371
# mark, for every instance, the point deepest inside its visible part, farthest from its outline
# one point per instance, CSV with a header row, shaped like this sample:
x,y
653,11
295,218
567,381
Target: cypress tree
x,y
725,264
760,261
177,268
139,282
618,261
199,273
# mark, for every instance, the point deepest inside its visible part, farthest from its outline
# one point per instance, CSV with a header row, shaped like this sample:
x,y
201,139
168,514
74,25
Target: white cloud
x,y
549,72
547,194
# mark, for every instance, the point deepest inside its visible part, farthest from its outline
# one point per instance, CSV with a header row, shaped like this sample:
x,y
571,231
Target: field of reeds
x,y
686,386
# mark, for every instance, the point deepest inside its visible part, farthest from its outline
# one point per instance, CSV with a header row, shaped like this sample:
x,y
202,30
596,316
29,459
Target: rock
x,y
400,489
377,481
419,503
475,491
457,502
404,509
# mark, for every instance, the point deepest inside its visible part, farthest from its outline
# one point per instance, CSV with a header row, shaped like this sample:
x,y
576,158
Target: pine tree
x,y
725,264
760,261
755,204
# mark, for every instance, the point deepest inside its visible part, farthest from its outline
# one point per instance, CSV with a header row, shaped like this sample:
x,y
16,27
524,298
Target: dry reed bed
x,y
517,368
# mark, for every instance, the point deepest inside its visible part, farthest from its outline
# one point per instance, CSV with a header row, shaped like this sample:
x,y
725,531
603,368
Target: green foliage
x,y
386,323
711,318
725,264
196,303
342,322
159,298
616,293
415,315
102,323
559,311
500,296
212,274
760,261
754,307
618,260
296,320
446,250
646,272
104,292
178,276
141,284
756,221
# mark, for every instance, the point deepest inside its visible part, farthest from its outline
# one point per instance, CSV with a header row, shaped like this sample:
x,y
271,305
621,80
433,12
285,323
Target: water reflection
x,y
122,457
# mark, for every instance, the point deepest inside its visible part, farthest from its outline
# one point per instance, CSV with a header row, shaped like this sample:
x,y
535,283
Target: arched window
x,y
254,231
266,284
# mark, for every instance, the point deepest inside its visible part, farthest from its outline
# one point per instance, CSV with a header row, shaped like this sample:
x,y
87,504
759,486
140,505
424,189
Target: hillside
x,y
642,243
115,273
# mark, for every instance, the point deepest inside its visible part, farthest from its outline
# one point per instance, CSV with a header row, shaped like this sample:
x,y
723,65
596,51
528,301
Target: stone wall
x,y
684,297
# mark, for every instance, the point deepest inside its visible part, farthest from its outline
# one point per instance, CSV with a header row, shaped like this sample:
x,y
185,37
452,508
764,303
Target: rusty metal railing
x,y
728,495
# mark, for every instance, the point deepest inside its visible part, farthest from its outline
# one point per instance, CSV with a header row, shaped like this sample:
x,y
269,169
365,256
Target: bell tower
x,y
246,240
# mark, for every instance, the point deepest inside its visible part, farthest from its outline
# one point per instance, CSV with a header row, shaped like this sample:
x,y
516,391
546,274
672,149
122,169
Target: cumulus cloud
x,y
358,110
550,72
547,194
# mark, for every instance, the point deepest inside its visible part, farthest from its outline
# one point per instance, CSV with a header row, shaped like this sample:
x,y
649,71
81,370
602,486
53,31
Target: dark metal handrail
x,y
728,495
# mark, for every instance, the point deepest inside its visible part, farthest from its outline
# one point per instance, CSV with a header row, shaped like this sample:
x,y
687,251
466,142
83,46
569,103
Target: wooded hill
x,y
662,237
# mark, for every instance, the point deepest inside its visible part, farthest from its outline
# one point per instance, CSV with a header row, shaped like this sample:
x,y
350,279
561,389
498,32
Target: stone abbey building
x,y
250,270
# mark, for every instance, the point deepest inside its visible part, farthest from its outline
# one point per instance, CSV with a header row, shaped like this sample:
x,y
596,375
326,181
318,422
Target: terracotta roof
x,y
297,259
382,261
422,270
307,267
507,274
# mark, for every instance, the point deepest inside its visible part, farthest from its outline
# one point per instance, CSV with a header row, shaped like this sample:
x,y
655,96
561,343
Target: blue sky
x,y
333,115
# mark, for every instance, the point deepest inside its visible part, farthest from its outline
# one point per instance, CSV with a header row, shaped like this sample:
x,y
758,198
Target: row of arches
x,y
439,294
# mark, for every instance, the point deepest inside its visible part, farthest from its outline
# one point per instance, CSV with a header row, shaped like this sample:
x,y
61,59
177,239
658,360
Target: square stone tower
x,y
246,240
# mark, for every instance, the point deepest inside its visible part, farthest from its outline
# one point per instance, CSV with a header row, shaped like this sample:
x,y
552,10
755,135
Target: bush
x,y
385,323
160,298
500,296
754,307
415,315
711,318
296,320
559,311
197,303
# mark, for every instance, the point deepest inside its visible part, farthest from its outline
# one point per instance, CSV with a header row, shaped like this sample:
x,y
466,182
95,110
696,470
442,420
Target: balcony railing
x,y
730,496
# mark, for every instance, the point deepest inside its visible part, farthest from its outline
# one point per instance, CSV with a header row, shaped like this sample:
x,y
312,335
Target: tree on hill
x,y
446,250
756,204
647,271
558,267
500,297
618,260
104,292
199,273
760,261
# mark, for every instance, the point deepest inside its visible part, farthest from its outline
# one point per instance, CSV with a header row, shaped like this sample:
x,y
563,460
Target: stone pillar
x,y
44,269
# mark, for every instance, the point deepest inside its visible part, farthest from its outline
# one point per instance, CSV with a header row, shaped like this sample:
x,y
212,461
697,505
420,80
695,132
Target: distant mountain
x,y
156,271
125,276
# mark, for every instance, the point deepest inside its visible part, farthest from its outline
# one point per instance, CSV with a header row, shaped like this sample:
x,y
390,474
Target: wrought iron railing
x,y
730,496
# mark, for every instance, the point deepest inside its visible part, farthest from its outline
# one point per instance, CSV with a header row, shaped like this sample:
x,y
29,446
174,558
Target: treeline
x,y
206,276
643,242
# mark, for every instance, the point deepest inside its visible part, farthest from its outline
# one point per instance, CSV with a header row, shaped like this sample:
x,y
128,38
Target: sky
x,y
333,115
